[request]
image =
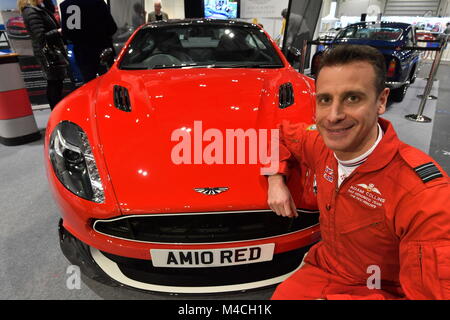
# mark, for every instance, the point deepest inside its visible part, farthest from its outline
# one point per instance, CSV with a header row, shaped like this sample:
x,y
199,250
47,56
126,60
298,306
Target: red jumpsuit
x,y
389,219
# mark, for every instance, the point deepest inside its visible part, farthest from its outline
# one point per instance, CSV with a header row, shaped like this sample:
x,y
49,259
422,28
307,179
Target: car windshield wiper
x,y
249,65
163,66
192,65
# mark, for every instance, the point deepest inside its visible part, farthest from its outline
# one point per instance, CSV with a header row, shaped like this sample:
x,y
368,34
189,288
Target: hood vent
x,y
122,98
286,95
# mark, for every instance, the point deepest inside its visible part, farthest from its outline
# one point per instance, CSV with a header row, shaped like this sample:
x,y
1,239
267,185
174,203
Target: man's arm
x,y
279,197
107,19
35,25
293,137
424,228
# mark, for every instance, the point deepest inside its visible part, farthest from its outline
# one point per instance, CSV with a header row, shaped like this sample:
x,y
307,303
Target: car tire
x,y
79,254
397,95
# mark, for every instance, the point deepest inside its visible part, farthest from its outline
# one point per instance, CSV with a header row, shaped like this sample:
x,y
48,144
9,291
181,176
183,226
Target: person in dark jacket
x,y
88,24
45,31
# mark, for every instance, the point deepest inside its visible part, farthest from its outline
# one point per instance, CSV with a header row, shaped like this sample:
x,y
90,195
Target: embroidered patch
x,y
329,174
367,194
428,172
311,127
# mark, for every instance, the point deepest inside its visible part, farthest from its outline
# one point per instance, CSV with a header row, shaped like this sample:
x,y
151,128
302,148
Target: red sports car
x,y
15,27
157,165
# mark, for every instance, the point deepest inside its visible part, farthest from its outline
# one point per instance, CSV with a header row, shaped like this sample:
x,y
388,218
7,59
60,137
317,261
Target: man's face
x,y
157,7
347,108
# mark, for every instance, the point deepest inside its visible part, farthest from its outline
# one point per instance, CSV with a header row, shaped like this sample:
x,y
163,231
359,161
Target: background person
x,y
384,214
45,31
157,15
90,31
49,5
138,17
447,28
445,35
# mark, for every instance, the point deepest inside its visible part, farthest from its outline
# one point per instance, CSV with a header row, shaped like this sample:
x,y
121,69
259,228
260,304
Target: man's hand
x,y
279,197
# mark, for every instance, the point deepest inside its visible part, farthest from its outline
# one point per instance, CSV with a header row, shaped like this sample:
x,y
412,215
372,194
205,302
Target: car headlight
x,y
73,162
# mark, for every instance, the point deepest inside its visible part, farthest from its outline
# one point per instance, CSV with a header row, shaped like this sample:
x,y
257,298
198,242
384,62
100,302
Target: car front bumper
x,y
140,274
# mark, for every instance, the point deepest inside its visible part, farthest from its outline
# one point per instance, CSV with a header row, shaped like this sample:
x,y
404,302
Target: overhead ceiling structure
x,y
412,7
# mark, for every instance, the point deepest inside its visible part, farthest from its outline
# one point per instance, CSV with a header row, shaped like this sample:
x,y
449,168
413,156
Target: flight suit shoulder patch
x,y
421,163
428,171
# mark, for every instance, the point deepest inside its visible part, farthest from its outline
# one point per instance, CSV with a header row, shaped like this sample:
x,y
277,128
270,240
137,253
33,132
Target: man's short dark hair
x,y
348,53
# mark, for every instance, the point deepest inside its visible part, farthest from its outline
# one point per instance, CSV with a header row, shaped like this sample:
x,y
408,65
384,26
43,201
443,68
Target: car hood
x,y
138,146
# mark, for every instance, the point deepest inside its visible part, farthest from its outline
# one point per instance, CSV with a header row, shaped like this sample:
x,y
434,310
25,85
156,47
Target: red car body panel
x,y
126,144
164,101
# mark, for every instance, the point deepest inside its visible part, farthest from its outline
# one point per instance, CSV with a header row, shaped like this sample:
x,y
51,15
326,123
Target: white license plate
x,y
211,258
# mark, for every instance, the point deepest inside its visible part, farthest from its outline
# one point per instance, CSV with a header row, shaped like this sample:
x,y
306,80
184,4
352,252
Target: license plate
x,y
211,258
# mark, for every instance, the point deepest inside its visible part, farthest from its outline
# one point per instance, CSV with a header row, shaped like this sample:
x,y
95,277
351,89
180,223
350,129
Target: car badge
x,y
211,191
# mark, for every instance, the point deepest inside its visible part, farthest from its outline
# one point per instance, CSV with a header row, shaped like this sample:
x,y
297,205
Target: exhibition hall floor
x,y
32,265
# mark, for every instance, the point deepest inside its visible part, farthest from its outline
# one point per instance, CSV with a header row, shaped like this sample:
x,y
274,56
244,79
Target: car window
x,y
371,33
200,46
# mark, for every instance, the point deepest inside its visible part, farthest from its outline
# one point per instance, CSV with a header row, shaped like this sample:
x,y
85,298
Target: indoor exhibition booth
x,y
149,181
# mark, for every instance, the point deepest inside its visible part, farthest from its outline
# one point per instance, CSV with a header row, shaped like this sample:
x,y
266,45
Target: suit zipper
x,y
343,182
336,191
420,263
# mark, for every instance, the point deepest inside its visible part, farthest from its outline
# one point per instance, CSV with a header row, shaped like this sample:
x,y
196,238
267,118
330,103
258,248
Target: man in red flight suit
x,y
384,205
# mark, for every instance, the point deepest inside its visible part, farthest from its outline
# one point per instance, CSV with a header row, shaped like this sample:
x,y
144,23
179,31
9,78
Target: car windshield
x,y
190,46
370,33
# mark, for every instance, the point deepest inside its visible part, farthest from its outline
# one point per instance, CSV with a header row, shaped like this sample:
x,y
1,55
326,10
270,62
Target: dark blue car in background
x,y
390,38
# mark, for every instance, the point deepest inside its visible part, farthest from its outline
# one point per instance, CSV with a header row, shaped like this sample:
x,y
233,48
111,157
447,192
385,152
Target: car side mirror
x,y
107,57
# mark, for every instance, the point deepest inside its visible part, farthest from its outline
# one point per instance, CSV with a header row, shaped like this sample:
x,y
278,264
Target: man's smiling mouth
x,y
339,130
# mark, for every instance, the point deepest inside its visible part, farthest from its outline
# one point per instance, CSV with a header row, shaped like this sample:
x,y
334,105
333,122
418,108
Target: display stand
x,y
419,117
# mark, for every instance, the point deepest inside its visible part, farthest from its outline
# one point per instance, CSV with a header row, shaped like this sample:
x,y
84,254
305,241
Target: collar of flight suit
x,y
385,151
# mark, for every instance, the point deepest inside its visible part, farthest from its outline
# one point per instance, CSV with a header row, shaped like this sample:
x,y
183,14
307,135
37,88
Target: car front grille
x,y
143,271
212,227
